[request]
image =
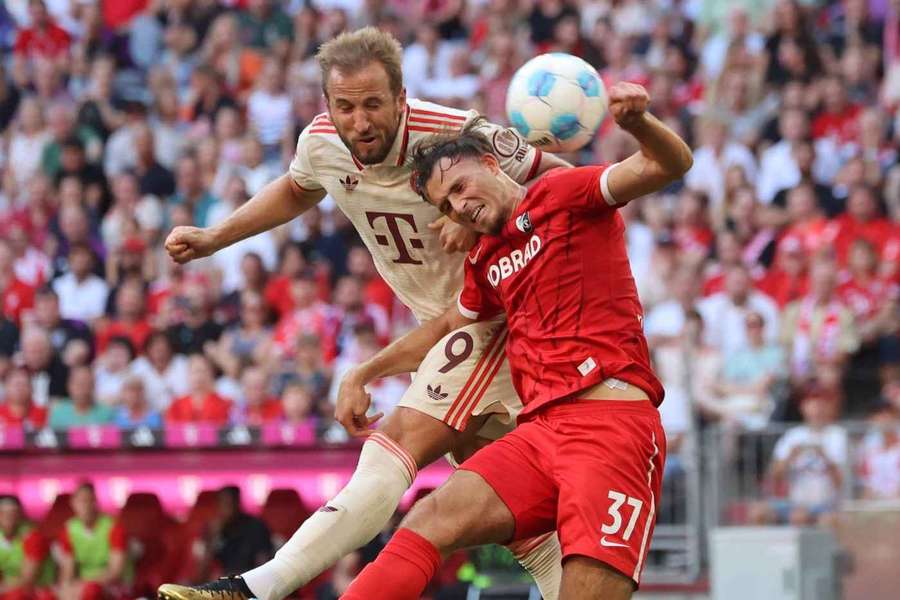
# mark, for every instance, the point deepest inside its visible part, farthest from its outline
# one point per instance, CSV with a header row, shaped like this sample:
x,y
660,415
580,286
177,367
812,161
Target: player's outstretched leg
x,y
387,467
463,512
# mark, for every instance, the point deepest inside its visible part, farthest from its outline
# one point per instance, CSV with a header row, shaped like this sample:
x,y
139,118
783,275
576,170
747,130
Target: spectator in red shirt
x,y
130,320
259,406
309,316
806,220
872,299
93,559
16,296
377,291
839,118
787,280
202,404
862,220
26,570
17,409
353,309
728,254
44,39
277,294
692,232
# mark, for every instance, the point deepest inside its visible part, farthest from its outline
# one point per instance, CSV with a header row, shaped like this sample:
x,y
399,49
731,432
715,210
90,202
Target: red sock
x,y
400,572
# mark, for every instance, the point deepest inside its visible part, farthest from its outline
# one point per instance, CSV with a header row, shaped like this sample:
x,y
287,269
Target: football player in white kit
x,y
461,396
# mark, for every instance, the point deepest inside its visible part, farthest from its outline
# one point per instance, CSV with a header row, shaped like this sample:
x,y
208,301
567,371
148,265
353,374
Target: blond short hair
x,y
351,51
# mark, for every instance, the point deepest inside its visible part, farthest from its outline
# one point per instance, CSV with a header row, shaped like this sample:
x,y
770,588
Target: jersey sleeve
x,y
476,300
301,169
35,546
65,544
585,188
117,538
518,158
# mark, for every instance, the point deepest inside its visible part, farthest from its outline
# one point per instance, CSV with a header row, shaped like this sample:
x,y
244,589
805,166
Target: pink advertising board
x,y
178,476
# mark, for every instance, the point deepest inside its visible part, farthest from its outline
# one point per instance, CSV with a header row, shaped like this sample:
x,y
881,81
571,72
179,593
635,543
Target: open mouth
x,y
476,213
368,140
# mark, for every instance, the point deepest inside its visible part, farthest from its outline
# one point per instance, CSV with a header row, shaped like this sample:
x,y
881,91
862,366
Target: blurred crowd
x,y
769,276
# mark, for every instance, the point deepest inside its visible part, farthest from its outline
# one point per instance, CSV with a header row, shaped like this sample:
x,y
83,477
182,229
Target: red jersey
x,y
214,409
47,43
17,298
879,232
137,333
560,271
34,420
865,299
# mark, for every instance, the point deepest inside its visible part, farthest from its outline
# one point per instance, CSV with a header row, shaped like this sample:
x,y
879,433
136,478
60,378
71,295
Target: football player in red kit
x,y
587,457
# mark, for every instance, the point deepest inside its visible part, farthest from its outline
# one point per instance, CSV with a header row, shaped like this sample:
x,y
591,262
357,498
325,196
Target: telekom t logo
x,y
392,220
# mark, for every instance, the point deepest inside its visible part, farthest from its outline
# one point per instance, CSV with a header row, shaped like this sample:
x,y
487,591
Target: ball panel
x,y
565,126
541,82
518,120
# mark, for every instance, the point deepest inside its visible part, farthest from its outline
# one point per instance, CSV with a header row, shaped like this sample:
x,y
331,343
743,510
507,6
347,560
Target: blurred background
x,y
769,279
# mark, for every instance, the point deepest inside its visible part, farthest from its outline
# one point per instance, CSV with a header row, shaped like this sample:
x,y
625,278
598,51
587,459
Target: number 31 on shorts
x,y
615,511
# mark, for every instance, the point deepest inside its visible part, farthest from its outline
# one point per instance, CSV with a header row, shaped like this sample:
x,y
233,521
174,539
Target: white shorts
x,y
467,374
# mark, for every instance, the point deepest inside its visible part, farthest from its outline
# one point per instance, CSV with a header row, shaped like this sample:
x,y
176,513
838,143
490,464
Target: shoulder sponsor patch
x,y
506,142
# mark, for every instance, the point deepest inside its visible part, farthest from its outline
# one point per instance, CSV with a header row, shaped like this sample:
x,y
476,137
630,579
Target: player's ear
x,y
490,161
401,97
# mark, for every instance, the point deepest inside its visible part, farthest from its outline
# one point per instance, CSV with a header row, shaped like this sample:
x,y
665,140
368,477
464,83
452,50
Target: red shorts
x,y
590,469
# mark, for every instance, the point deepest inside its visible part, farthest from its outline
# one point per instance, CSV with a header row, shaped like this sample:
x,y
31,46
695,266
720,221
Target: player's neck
x,y
518,194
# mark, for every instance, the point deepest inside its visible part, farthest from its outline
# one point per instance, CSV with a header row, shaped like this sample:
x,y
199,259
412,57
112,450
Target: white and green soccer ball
x,y
556,101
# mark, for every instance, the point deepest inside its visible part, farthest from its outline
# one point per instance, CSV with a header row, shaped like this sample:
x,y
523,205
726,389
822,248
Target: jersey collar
x,y
397,154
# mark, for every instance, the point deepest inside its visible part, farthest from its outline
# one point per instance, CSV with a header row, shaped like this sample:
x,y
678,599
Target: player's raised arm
x,y
403,355
663,158
277,203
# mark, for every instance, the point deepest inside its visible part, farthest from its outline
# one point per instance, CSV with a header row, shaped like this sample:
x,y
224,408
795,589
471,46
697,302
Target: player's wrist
x,y
636,124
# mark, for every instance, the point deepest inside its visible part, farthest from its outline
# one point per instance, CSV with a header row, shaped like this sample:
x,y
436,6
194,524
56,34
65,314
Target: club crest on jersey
x,y
523,223
349,182
516,261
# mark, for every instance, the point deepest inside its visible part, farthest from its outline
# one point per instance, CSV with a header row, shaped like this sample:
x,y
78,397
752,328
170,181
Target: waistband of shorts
x,y
589,406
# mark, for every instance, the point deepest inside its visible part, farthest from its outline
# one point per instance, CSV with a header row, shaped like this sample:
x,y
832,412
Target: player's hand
x,y
627,103
352,404
453,236
185,244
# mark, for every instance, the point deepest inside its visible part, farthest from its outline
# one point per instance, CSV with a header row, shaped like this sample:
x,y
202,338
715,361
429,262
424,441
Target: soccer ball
x,y
556,101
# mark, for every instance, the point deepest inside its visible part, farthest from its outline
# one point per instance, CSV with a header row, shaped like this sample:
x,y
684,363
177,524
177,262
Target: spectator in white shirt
x,y
27,142
777,166
725,313
82,294
664,323
714,157
165,374
426,59
269,108
811,459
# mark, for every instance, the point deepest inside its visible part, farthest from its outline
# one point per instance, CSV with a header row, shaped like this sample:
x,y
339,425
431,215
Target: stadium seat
x,y
283,512
159,538
52,523
204,510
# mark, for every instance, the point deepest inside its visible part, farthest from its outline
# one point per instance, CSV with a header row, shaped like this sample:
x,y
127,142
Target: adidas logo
x,y
435,393
349,182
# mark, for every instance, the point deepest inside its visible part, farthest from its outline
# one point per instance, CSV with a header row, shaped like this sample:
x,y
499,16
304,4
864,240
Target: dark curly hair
x,y
469,142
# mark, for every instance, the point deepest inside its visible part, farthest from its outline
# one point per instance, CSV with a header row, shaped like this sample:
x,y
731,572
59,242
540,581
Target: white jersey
x,y
390,217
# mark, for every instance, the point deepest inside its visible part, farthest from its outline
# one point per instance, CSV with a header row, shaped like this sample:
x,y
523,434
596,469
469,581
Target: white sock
x,y
350,520
542,557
